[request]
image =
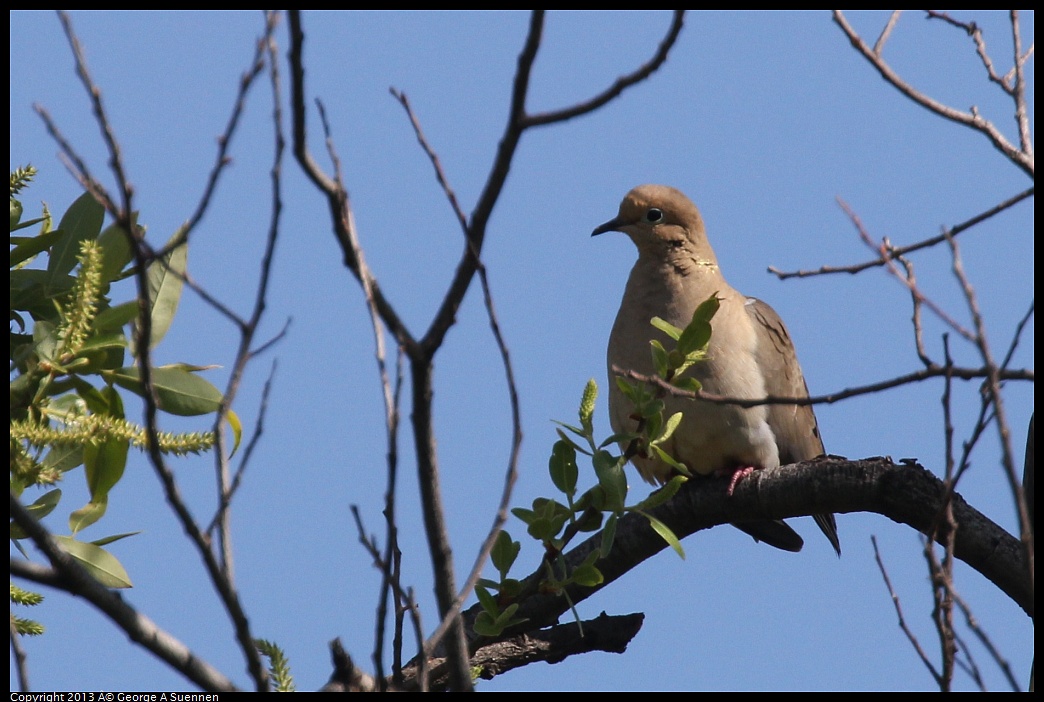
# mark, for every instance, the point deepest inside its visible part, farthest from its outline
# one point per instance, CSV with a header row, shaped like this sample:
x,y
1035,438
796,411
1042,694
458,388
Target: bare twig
x,y
621,83
143,331
984,639
915,377
516,421
992,389
884,251
899,612
893,19
897,251
21,658
248,452
972,119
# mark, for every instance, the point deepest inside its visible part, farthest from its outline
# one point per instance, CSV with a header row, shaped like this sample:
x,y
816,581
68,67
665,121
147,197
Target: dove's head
x,y
661,222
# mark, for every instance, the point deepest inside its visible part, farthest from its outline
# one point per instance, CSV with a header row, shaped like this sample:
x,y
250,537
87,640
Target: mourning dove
x,y
750,356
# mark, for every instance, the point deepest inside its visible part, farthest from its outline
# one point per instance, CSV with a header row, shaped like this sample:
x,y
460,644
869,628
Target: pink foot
x,y
737,475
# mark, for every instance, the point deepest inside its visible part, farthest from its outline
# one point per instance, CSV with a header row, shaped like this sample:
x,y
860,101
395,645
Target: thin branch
x,y
984,639
899,612
1019,87
390,579
248,331
21,658
993,392
248,452
436,163
972,120
100,117
621,84
893,19
337,197
143,331
915,377
897,251
516,421
883,250
68,575
222,160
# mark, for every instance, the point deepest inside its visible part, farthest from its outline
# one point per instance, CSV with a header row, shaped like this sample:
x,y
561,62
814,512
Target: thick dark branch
x,y
476,230
554,644
907,494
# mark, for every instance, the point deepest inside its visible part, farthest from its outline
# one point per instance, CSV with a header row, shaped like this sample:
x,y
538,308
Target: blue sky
x,y
764,120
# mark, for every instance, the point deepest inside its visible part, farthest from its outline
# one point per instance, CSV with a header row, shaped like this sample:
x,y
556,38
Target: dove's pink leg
x,y
738,474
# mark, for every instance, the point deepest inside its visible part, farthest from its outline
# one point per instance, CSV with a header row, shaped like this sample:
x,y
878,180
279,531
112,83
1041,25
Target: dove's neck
x,y
672,286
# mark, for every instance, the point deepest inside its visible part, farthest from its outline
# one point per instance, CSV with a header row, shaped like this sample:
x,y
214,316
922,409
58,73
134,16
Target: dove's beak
x,y
613,225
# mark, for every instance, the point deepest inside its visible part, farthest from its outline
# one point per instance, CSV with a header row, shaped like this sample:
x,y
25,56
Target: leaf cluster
x,y
555,522
69,361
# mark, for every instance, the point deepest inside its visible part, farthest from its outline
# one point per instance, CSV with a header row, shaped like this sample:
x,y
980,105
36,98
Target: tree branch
x,y
68,575
972,120
905,493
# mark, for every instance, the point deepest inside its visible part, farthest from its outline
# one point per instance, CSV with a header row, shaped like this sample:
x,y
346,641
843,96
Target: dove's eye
x,y
653,216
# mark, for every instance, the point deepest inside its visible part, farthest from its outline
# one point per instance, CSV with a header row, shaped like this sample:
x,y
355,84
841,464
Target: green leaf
x,y
165,278
587,575
550,517
590,520
88,514
666,534
562,435
652,408
45,340
43,506
115,537
504,552
511,588
562,466
698,332
672,423
488,602
661,496
178,391
35,292
659,357
28,246
525,515
16,213
99,563
652,424
104,463
669,460
631,391
117,251
80,222
666,327
113,319
611,478
485,625
237,430
63,458
687,383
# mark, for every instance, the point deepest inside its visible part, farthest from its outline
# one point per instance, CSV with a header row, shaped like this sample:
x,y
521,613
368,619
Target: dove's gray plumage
x,y
750,356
